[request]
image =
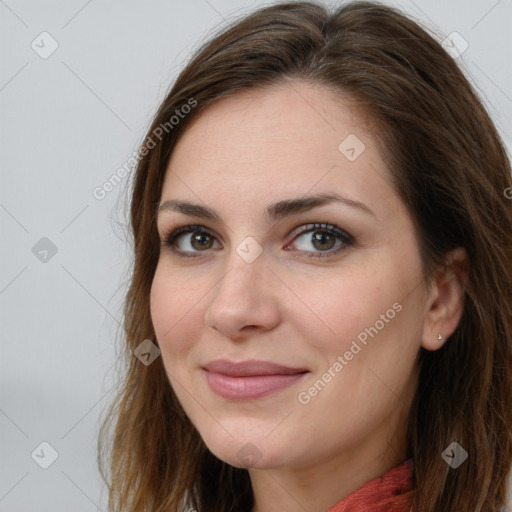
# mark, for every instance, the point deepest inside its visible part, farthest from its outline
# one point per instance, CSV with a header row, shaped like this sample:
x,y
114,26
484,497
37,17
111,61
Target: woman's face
x,y
327,321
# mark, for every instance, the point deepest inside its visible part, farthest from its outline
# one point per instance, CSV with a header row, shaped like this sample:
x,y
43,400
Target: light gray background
x,y
68,122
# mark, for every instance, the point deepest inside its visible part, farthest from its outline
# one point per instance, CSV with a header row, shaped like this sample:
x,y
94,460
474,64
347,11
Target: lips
x,y
250,368
249,379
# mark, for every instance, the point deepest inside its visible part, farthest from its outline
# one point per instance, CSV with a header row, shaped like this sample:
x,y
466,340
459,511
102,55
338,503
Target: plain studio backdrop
x,y
79,83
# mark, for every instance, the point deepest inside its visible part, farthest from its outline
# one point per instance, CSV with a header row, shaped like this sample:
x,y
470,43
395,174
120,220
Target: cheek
x,y
340,306
176,327
366,315
369,323
171,306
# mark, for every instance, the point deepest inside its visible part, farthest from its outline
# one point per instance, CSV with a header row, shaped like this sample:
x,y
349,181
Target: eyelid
x,y
173,233
347,240
311,226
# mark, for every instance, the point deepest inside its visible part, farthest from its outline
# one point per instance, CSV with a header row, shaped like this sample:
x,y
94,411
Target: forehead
x,y
280,141
271,121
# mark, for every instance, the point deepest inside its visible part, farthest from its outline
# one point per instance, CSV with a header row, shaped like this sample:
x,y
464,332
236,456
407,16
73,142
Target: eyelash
x,y
346,239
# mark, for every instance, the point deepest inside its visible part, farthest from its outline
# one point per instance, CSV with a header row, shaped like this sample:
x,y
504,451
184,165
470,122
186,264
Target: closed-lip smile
x,y
249,379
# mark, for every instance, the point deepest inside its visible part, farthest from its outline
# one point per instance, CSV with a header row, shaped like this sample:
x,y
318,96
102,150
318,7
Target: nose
x,y
244,300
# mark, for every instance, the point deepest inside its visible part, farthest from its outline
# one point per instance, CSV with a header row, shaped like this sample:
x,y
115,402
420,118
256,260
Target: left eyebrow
x,y
273,212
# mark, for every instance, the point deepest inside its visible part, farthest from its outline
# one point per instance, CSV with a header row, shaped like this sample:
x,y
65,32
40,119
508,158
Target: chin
x,y
244,452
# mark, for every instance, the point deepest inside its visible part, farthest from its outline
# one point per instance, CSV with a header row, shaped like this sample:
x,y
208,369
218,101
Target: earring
x,y
439,337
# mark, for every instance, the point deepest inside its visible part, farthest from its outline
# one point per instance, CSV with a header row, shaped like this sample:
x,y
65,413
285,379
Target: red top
x,y
390,492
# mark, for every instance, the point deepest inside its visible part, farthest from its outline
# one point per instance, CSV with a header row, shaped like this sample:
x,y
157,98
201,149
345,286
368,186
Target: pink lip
x,y
249,379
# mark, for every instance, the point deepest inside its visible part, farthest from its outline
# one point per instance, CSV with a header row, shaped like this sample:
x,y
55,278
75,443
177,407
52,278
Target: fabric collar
x,y
390,492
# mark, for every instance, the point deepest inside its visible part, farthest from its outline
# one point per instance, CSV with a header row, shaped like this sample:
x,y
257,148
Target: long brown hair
x,y
448,165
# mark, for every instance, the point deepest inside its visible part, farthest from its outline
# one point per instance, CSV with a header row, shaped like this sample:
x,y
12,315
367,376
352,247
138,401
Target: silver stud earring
x,y
439,337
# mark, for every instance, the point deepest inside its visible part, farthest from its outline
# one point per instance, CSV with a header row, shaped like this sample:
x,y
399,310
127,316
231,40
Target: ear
x,y
445,303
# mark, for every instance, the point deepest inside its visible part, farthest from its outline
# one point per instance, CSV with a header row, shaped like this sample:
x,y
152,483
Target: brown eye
x,y
188,240
316,239
323,240
201,241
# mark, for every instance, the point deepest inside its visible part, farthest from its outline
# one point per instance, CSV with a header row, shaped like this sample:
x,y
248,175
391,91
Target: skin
x,y
239,155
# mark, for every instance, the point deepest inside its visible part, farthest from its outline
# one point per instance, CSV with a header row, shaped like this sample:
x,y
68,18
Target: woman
x,y
320,300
